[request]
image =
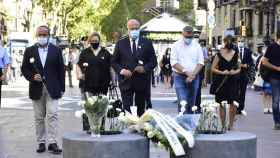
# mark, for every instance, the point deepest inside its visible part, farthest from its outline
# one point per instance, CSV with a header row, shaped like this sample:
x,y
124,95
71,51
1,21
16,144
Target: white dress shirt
x,y
241,52
188,56
96,52
43,52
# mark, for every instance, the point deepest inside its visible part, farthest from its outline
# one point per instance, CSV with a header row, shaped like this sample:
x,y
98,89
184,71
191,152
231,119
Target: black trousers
x,y
198,96
148,94
139,98
243,82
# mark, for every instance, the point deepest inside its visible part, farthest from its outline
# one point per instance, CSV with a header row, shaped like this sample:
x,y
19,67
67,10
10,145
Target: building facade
x,y
3,23
253,20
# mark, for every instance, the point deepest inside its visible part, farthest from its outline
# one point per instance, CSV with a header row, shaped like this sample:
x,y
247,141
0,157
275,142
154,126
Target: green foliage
x,y
80,17
185,10
121,12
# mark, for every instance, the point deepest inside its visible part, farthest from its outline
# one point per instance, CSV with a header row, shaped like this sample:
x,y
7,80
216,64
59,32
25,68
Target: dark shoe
x,y
53,148
42,148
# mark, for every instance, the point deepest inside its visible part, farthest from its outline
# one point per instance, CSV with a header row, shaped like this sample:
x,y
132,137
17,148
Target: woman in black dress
x,y
166,68
225,68
94,63
95,68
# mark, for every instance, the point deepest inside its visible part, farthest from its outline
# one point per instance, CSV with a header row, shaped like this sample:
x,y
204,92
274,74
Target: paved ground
x,y
17,127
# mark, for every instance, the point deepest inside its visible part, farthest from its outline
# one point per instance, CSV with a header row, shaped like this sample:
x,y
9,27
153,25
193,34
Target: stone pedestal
x,y
229,145
82,145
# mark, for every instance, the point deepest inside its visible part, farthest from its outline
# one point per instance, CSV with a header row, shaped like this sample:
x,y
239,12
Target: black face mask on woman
x,y
94,45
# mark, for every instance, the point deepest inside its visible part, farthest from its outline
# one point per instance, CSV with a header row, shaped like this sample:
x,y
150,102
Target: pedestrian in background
x,y
201,75
187,61
166,68
4,65
70,60
247,63
261,85
43,67
225,69
271,60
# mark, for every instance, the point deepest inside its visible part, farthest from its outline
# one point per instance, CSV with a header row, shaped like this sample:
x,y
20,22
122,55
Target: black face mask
x,y
229,46
94,45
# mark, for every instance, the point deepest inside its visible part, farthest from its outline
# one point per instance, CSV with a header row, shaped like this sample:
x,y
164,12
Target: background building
x,y
253,20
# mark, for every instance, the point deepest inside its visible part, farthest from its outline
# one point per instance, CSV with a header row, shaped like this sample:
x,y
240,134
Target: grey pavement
x,y
17,133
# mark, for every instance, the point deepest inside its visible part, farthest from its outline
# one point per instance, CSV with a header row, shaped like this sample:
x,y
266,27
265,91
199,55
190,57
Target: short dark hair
x,y
188,29
45,26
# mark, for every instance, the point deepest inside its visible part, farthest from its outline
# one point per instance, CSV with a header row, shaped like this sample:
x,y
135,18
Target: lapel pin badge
x,y
140,62
102,58
139,47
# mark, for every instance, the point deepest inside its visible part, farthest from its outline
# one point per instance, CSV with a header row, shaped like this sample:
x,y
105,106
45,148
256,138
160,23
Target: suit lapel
x,y
37,57
140,46
48,55
128,46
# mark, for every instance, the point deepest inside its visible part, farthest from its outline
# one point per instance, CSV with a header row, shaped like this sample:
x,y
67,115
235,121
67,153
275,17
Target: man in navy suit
x,y
134,59
245,55
43,67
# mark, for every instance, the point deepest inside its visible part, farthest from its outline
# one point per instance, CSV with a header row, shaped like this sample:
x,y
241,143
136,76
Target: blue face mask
x,y
188,41
134,34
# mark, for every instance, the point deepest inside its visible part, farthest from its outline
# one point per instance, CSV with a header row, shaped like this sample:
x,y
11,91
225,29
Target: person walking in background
x,y
133,60
201,75
225,69
43,67
187,61
4,65
208,64
271,60
70,61
261,85
166,68
247,63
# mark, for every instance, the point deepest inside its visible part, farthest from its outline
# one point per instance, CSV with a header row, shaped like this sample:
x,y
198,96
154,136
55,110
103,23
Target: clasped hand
x,y
139,69
126,73
37,77
226,72
190,76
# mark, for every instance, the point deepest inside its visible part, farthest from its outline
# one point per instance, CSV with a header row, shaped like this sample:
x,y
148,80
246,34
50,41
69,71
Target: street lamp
x,y
266,7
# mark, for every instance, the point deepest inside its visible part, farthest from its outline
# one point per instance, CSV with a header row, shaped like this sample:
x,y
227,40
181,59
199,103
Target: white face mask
x,y
241,44
43,40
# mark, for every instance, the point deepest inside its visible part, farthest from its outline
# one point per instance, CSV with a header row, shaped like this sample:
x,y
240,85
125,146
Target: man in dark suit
x,y
134,59
43,67
245,55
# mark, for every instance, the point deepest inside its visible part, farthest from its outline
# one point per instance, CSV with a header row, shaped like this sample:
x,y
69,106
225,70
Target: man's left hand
x,y
139,69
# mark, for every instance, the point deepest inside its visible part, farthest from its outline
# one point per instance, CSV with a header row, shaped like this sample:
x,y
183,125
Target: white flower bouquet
x,y
96,109
210,121
161,129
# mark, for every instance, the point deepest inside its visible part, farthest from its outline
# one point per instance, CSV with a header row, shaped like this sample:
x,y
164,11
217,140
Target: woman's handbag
x,y
259,81
117,103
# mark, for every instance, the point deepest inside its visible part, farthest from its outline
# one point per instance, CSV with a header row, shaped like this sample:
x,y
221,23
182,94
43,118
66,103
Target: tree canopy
x,y
77,18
